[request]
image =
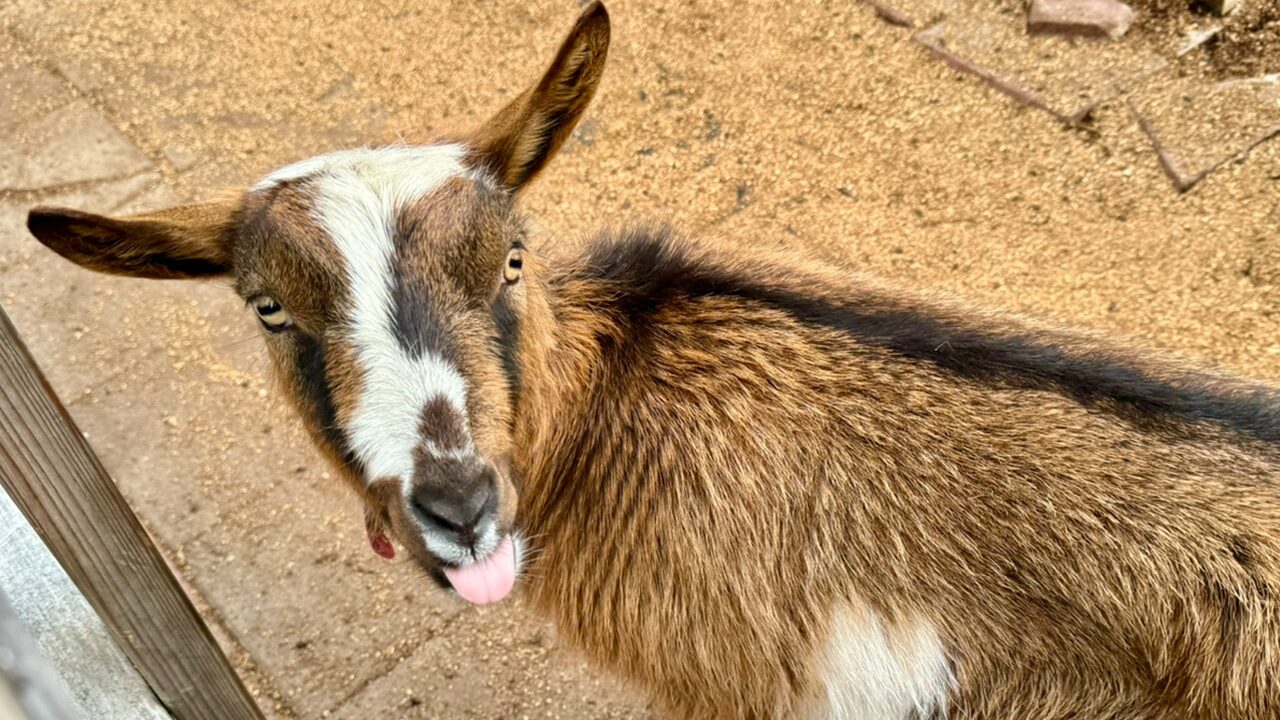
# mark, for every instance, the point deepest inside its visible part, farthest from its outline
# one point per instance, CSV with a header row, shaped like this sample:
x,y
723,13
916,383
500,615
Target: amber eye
x,y
514,266
273,316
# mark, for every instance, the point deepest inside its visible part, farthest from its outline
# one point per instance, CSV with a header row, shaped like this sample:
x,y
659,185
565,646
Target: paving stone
x,y
1196,127
156,197
29,20
508,677
73,144
321,614
28,91
1066,77
38,287
91,347
1086,18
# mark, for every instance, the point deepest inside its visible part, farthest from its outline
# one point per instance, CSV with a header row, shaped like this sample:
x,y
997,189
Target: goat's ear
x,y
517,142
189,241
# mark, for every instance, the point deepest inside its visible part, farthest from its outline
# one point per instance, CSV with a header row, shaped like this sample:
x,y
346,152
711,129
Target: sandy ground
x,y
814,125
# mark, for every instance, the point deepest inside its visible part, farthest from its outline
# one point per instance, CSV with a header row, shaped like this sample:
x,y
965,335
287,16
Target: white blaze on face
x,y
358,196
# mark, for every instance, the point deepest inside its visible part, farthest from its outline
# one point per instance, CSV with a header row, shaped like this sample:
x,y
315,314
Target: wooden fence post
x,y
57,481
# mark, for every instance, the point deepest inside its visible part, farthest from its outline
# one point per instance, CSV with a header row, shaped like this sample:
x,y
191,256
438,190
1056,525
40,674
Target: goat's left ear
x,y
189,241
517,142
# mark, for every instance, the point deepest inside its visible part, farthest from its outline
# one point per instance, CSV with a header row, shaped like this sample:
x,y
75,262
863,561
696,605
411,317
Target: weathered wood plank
x,y
29,688
52,474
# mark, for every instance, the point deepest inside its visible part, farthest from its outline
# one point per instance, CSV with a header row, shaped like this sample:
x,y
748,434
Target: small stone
x,y
1195,38
1088,18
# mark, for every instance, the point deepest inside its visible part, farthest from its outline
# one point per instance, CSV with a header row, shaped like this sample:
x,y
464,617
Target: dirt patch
x,y
1248,45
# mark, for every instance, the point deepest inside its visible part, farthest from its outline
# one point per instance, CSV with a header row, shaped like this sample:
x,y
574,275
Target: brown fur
x,y
756,471
717,449
186,241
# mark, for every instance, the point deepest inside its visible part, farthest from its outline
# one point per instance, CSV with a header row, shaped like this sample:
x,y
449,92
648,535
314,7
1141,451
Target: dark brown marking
x,y
313,384
442,425
651,271
415,321
416,325
1241,553
508,324
445,262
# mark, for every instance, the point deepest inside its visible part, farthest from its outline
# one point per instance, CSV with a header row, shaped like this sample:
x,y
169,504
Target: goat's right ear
x,y
523,136
189,241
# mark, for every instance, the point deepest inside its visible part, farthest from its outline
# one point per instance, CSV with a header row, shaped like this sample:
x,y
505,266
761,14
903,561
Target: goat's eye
x,y
515,264
273,316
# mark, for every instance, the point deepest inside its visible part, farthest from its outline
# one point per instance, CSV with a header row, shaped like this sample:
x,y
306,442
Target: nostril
x,y
431,517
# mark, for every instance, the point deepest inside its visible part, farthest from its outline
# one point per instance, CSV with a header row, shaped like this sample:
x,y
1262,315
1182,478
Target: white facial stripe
x,y
408,165
359,194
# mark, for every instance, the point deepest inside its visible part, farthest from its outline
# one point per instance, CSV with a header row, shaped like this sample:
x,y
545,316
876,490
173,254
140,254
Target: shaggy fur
x,y
735,468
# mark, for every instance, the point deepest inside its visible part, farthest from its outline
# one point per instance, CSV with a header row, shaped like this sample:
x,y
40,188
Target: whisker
x,y
236,343
258,359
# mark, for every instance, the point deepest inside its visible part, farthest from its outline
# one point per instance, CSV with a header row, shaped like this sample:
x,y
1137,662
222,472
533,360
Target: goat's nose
x,y
457,506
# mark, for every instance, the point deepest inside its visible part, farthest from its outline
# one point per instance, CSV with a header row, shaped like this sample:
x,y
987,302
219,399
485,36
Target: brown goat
x,y
755,485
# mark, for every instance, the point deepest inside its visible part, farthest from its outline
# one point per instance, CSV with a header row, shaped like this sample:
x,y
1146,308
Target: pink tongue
x,y
488,580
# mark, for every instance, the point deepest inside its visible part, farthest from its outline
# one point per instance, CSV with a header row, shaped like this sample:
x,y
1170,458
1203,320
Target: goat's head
x,y
390,285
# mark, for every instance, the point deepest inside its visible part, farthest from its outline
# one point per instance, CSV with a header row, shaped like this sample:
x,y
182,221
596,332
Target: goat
x,y
755,485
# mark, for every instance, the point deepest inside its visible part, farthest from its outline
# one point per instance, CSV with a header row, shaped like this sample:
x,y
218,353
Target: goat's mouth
x,y
480,564
483,580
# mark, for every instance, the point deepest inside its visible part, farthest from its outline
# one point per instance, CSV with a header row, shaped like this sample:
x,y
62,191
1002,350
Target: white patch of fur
x,y
409,166
358,195
871,671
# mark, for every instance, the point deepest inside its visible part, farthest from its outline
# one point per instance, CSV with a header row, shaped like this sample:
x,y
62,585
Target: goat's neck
x,y
557,352
537,394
